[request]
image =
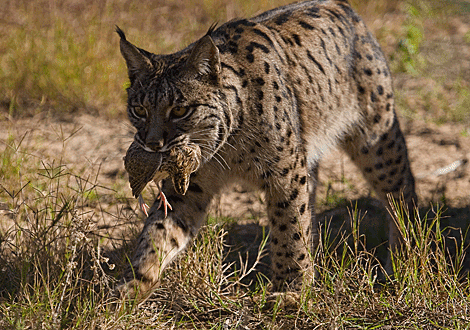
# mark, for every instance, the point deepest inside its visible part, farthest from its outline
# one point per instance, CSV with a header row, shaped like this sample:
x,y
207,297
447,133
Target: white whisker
x,y
215,155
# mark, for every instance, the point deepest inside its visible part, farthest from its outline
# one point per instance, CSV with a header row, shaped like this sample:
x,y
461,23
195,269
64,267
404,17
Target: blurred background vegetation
x,y
62,57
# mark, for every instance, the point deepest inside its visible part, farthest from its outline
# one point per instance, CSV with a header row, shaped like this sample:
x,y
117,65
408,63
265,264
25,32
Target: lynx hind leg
x,y
312,189
382,156
383,159
377,146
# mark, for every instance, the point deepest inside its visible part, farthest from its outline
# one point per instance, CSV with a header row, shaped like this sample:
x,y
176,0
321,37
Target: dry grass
x,y
54,275
61,57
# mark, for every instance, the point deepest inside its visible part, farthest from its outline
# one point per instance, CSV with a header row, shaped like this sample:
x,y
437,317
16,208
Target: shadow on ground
x,y
335,224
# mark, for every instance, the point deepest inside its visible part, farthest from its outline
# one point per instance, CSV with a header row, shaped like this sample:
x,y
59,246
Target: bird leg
x,y
164,202
143,206
162,198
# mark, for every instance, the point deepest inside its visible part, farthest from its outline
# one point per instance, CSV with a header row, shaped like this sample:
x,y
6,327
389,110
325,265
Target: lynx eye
x,y
179,112
140,111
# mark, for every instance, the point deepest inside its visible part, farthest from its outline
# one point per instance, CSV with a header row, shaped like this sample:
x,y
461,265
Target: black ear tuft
x,y
211,29
204,60
121,33
137,59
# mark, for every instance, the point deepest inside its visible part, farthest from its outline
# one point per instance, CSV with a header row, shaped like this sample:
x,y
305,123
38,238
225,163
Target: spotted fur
x,y
265,98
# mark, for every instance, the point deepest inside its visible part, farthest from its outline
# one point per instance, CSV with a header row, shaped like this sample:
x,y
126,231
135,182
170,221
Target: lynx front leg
x,y
159,243
291,233
163,238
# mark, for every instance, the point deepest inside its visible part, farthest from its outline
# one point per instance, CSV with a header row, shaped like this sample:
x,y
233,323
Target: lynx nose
x,y
156,140
155,145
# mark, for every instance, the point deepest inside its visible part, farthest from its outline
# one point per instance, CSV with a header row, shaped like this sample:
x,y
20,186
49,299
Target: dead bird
x,y
143,166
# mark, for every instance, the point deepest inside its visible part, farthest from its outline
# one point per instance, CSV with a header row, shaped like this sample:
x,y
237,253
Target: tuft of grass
x,y
47,252
443,100
334,197
427,64
52,274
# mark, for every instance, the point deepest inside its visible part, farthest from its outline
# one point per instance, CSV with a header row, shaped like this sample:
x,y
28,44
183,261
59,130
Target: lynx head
x,y
175,100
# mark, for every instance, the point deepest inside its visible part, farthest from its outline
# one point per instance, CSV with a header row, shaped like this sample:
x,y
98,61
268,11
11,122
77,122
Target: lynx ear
x,y
136,61
204,59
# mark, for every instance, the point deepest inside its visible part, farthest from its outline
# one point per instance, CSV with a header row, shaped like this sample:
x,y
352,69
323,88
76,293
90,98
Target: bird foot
x,y
143,206
164,202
